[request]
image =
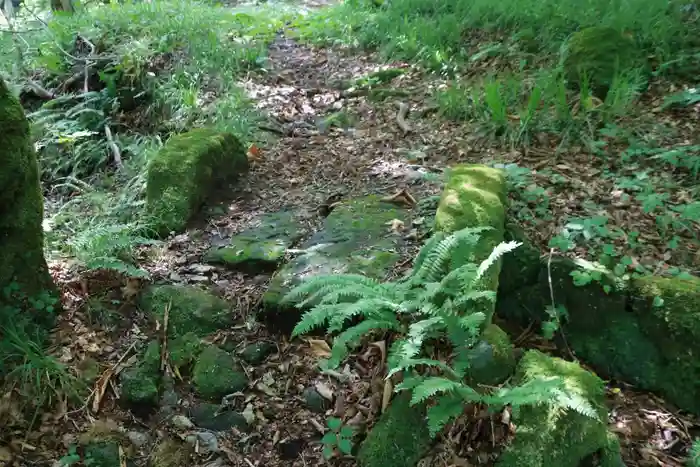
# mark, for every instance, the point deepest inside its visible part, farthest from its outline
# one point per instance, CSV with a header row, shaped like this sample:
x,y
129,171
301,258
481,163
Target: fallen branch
x,y
40,91
116,153
401,118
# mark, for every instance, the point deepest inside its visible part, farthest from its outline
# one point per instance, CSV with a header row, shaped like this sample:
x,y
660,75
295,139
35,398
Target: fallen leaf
x,y
386,396
325,390
248,414
396,225
319,348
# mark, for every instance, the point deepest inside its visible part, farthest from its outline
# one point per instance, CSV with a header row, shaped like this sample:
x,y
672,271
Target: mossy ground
x,y
184,173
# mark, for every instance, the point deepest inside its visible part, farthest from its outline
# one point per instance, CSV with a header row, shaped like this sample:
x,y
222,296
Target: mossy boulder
x,y
256,353
186,172
184,350
24,274
356,238
644,331
492,360
599,54
399,439
191,309
210,417
544,435
217,373
475,196
260,248
140,383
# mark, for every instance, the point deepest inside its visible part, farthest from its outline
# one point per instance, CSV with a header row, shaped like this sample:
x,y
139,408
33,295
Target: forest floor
x,y
309,162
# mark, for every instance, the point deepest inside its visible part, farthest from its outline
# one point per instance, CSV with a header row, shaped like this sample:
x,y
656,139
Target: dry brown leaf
x,y
319,348
396,225
101,388
386,396
401,197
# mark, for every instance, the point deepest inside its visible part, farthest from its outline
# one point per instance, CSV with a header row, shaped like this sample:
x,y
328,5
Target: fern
x,y
694,454
436,301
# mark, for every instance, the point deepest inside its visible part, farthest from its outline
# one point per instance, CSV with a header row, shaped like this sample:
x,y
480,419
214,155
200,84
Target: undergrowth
x,y
125,77
436,303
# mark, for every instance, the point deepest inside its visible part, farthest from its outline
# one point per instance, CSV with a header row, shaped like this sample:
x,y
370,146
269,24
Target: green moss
x,y
191,309
672,323
184,349
140,383
217,374
475,197
492,360
600,53
183,174
256,353
21,215
355,238
262,247
399,439
521,267
546,437
210,417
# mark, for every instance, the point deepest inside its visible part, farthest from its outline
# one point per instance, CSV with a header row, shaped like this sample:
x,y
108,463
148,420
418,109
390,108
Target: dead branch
x,y
116,153
401,118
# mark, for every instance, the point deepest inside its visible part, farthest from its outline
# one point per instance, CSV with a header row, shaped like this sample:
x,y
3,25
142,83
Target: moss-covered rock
x,y
546,437
600,53
192,309
217,374
522,266
210,417
260,248
256,353
184,173
399,439
140,383
492,360
24,274
184,350
475,196
355,238
668,313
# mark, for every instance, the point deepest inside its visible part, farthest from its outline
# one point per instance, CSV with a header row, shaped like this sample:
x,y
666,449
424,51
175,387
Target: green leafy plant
x,y
442,301
337,439
694,454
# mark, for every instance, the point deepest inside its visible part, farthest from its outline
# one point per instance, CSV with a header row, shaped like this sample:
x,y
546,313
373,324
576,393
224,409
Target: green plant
x,y
694,454
71,458
338,438
441,301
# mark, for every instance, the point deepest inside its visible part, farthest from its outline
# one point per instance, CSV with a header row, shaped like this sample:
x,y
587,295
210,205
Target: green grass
x,y
170,66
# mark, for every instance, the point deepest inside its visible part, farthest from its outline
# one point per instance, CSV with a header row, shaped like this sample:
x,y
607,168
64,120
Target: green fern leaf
x,y
449,406
352,336
378,309
316,317
431,386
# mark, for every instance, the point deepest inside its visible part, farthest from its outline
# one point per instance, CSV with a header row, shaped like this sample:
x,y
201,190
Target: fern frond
x,y
411,346
377,308
315,283
425,250
352,336
429,387
536,391
694,454
573,401
316,317
500,250
448,407
410,363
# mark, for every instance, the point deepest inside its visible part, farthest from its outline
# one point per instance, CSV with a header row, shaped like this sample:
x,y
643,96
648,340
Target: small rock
x,y
201,268
205,416
181,422
255,354
207,441
137,438
198,278
315,401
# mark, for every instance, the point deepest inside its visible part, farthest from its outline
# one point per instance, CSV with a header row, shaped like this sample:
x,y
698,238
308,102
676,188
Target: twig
x,y
116,153
401,118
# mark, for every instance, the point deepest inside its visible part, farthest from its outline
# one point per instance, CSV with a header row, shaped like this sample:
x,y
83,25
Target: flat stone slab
x,y
356,238
262,247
